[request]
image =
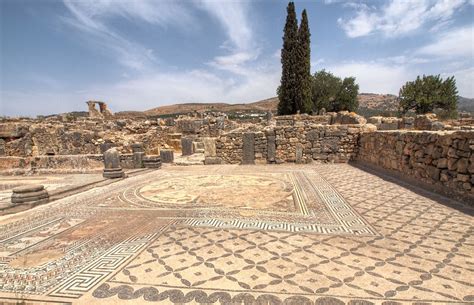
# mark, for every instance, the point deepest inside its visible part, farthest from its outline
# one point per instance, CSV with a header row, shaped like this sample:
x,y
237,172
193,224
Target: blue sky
x,y
139,54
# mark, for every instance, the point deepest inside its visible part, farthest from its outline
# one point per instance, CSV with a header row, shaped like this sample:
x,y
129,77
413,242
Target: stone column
x,y
112,168
2,147
167,155
271,146
152,162
186,146
299,153
138,155
248,148
29,195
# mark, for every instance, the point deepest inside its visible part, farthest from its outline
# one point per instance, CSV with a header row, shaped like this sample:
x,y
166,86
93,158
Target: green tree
x,y
332,93
289,61
324,87
347,96
303,94
427,93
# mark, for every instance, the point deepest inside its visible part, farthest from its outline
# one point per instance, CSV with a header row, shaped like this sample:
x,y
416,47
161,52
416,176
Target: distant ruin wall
x,y
60,163
442,159
30,138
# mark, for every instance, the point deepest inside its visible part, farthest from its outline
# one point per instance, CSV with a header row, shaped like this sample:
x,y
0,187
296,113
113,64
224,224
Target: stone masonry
x,y
442,159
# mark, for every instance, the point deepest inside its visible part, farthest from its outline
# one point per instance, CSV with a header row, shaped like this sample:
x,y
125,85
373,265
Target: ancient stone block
x,y
137,147
271,148
209,147
112,167
138,159
152,162
2,147
248,149
167,155
30,194
299,154
312,135
212,160
106,146
462,165
186,146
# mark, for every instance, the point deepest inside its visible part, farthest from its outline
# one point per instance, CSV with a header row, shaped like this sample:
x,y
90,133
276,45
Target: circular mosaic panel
x,y
236,191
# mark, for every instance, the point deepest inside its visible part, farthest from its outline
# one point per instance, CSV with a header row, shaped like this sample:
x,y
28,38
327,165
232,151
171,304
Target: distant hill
x,y
465,104
370,104
260,106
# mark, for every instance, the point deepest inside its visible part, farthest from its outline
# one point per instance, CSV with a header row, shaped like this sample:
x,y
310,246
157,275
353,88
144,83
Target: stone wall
x,y
327,143
29,138
300,141
442,159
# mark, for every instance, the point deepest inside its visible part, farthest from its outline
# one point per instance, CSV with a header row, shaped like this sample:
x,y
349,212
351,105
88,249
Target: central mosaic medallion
x,y
230,191
272,199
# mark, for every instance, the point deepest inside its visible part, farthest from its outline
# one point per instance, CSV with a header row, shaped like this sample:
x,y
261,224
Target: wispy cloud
x,y
400,17
457,42
240,45
92,18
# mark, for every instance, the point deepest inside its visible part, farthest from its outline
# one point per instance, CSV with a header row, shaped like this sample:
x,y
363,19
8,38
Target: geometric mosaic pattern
x,y
314,206
391,243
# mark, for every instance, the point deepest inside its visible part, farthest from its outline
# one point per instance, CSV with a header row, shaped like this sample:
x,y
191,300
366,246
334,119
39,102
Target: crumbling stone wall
x,y
328,143
28,137
296,139
443,159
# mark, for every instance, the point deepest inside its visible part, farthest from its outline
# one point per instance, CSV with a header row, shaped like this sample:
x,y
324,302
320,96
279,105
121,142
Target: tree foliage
x,y
289,61
332,93
303,94
428,93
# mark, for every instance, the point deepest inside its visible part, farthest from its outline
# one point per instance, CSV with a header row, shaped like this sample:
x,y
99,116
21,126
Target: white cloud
x,y
375,77
400,17
458,42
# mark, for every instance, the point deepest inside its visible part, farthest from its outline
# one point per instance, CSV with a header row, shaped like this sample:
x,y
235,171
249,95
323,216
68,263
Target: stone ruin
x,y
103,111
422,147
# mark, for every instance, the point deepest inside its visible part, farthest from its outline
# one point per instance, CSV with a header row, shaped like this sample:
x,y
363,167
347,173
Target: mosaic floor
x,y
290,234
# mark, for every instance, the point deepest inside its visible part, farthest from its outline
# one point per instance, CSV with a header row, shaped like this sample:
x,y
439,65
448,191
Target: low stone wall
x,y
86,163
300,143
442,159
30,138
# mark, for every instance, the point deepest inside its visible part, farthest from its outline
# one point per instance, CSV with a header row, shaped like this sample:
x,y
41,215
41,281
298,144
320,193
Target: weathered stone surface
x,y
29,194
28,188
212,160
138,159
438,158
209,146
271,148
186,146
13,130
299,154
167,155
137,147
425,121
248,149
112,168
2,147
152,161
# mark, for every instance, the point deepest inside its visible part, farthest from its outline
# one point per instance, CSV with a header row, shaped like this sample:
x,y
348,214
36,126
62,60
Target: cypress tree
x,y
303,98
288,86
